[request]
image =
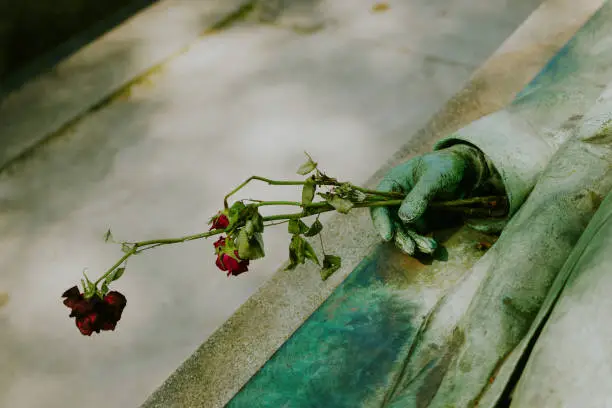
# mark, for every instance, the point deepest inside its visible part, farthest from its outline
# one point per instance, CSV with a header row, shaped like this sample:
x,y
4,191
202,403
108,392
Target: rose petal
x,y
219,262
233,266
87,324
219,243
115,299
219,222
109,325
72,292
80,307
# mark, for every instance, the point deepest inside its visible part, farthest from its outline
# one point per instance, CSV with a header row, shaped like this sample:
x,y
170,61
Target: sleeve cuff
x,y
516,151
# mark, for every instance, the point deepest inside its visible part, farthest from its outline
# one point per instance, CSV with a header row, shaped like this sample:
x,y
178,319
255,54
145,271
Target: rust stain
x,y
380,7
486,242
492,377
4,298
483,246
239,15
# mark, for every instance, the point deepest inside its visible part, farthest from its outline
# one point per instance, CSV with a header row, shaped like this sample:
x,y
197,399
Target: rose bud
x,y
233,267
226,262
219,221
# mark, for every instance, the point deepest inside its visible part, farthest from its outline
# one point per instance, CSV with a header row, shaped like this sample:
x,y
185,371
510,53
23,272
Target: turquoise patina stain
x,y
552,79
345,354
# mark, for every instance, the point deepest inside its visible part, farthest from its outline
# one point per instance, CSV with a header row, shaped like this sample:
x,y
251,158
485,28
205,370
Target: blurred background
x,y
36,35
349,81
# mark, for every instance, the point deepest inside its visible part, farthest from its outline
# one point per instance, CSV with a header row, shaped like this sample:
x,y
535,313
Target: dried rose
x,y
233,265
94,314
219,221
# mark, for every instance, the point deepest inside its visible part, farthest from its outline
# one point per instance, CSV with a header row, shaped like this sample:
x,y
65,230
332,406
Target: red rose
x,y
94,314
219,243
219,221
231,265
226,262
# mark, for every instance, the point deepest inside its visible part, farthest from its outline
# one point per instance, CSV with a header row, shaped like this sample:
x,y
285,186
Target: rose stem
x,y
317,208
265,180
463,202
300,183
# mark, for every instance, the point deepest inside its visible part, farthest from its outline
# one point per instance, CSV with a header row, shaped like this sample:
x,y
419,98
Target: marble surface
x,y
156,159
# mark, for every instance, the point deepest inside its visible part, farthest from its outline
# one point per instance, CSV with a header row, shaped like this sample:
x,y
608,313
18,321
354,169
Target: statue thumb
x,y
415,203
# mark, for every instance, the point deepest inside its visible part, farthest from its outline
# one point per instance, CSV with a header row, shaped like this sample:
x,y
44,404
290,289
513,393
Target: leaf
x,y
310,253
331,263
342,205
307,167
249,228
116,274
244,247
301,250
292,257
358,196
104,289
297,227
125,247
108,236
293,227
314,229
250,247
234,211
257,220
308,192
89,288
296,252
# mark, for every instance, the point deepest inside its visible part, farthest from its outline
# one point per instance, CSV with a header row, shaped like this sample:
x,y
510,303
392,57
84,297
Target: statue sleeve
x,y
511,146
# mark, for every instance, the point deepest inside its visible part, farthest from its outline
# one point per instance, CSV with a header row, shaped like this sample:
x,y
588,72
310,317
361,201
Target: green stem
x,y
144,245
490,204
489,201
386,194
324,207
265,180
264,203
389,194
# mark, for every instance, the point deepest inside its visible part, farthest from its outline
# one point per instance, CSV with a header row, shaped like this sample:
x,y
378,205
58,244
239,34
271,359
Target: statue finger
x,y
404,242
381,218
415,203
424,244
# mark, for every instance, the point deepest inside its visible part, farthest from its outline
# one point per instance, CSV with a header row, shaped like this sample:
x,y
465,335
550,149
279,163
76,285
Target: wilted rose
x,y
226,262
94,314
219,221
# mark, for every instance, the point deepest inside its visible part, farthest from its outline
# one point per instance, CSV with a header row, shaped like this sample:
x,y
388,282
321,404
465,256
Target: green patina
x,y
345,352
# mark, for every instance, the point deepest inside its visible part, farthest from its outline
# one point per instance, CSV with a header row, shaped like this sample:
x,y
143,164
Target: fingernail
x,y
382,224
425,244
405,243
412,210
385,232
